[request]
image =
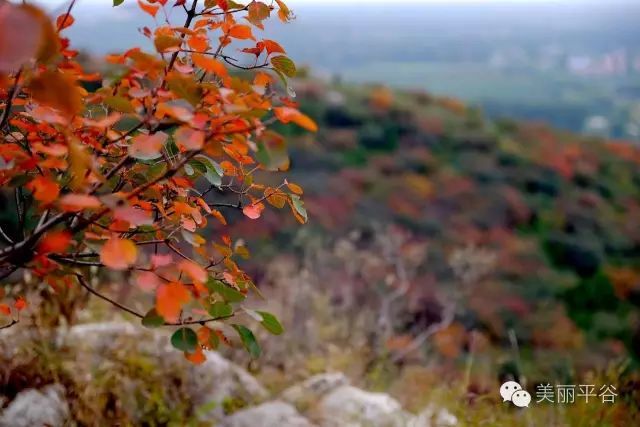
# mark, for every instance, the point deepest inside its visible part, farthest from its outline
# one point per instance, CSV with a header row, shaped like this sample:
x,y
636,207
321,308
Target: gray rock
x,y
312,389
207,385
37,408
218,379
349,406
269,414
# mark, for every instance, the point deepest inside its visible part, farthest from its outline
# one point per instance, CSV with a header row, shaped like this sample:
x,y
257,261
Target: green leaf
x,y
225,291
248,340
271,323
195,166
298,205
185,339
117,2
152,319
220,309
213,171
285,65
285,83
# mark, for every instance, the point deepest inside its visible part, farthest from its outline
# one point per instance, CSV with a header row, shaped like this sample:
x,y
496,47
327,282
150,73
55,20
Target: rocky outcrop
x,y
324,400
270,414
208,384
312,389
348,406
31,408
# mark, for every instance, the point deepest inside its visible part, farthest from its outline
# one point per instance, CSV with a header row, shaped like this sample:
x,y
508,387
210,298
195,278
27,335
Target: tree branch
x,y
8,325
10,96
92,291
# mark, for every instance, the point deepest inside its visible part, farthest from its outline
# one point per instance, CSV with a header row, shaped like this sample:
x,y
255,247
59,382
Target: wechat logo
x,y
512,392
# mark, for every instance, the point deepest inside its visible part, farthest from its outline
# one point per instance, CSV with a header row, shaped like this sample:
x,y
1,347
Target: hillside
x,y
533,232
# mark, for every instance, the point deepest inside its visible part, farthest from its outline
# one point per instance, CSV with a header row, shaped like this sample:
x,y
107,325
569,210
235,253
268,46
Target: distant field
x,y
561,99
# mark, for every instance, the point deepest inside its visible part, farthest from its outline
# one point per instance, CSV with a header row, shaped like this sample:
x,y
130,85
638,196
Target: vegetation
x,y
445,252
110,180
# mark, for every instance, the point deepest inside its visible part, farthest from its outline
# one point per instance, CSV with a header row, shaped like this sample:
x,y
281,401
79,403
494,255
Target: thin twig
x,y
92,291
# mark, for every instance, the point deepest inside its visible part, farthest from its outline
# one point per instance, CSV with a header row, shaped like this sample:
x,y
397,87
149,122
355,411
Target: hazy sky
x,y
296,2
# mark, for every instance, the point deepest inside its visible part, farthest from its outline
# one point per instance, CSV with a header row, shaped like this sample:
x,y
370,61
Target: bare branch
x,y
8,325
92,291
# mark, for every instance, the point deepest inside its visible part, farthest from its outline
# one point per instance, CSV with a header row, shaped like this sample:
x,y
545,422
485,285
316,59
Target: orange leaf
x,y
242,32
272,47
189,139
288,114
54,241
147,147
170,299
295,188
78,202
44,189
197,357
253,211
210,65
193,270
150,9
64,21
118,254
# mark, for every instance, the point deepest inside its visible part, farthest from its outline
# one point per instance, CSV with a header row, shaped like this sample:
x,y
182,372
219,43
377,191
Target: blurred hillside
x,y
511,230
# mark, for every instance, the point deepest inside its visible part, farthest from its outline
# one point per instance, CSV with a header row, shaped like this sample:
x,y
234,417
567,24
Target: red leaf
x,y
20,304
44,189
253,211
54,241
64,21
5,309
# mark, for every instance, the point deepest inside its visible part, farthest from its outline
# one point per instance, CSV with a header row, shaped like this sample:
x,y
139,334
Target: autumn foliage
x,y
112,180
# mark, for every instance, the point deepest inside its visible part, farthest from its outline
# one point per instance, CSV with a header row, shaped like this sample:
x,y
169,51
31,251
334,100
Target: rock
x,y
36,408
348,406
269,414
218,379
312,389
207,385
434,417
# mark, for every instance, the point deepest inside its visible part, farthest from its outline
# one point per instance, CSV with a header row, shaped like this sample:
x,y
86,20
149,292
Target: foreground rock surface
x,y
30,408
309,391
324,400
348,406
270,414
